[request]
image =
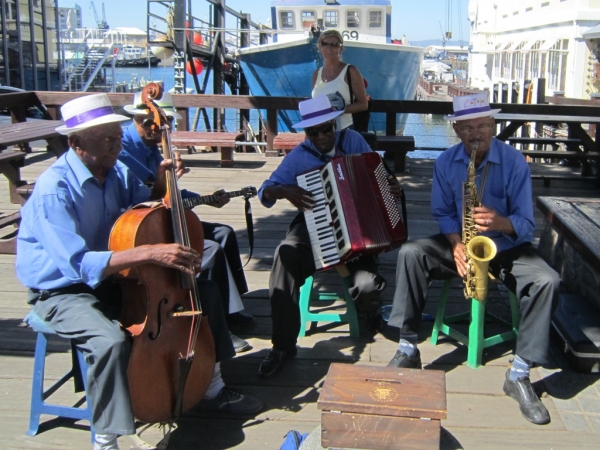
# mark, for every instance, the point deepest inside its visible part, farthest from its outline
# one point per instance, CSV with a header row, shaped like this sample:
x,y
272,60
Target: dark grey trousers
x,y
90,318
293,263
229,253
521,270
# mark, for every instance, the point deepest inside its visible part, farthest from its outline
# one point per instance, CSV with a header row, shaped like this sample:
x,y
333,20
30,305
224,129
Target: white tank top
x,y
331,87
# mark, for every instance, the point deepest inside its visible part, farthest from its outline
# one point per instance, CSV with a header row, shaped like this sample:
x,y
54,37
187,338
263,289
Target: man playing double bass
x,y
63,258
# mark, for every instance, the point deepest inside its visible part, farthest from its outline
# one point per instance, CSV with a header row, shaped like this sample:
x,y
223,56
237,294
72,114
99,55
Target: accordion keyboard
x,y
318,222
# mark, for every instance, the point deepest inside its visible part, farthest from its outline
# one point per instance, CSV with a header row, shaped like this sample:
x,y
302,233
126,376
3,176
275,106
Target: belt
x,y
78,288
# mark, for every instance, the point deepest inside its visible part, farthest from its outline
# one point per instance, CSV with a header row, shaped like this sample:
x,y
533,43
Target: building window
x,y
375,19
308,18
330,19
557,65
353,19
287,19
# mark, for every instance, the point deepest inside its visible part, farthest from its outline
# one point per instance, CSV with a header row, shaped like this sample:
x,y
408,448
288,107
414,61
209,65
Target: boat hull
x,y
286,70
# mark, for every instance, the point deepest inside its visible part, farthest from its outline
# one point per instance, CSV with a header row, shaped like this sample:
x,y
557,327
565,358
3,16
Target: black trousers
x,y
229,253
521,270
292,264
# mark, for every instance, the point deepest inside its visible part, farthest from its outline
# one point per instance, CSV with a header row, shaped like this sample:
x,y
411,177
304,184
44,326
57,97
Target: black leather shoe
x,y
240,317
531,406
402,360
239,344
274,360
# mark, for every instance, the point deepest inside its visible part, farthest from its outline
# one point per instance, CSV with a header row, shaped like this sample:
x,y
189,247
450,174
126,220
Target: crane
x,y
101,23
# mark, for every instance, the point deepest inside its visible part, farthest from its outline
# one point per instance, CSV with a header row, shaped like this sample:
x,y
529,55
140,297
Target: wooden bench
x,y
562,177
286,142
398,146
570,242
8,243
558,154
572,144
222,140
11,162
22,133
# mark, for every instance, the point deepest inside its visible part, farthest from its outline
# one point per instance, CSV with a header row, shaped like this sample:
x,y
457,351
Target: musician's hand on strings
x,y
395,188
160,185
220,199
180,168
176,256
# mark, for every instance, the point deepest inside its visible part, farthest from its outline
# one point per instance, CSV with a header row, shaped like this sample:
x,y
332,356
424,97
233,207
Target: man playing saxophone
x,y
501,208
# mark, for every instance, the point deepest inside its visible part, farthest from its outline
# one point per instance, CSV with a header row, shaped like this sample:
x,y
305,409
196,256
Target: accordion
x,y
354,214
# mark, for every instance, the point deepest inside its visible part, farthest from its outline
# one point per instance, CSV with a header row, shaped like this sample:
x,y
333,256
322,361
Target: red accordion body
x,y
355,214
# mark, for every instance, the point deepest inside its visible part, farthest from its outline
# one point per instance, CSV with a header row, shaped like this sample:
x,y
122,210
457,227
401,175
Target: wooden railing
x,y
54,100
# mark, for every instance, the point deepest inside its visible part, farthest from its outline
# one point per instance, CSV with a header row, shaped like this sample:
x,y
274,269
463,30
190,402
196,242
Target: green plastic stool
x,y
475,341
306,294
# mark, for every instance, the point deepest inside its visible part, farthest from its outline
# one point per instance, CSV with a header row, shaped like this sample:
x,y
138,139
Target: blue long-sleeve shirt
x,y
507,190
143,160
65,225
300,160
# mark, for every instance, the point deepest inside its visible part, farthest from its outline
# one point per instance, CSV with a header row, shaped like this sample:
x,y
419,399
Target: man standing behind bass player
x,y
293,261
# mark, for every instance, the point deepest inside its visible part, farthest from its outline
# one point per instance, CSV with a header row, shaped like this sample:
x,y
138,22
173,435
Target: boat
x,y
134,56
284,67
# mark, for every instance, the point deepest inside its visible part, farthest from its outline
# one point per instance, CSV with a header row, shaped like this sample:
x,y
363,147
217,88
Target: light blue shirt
x,y
65,225
507,190
300,160
143,160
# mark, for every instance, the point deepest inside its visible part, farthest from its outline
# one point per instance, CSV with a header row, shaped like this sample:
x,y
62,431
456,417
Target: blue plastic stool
x,y
306,316
475,341
39,396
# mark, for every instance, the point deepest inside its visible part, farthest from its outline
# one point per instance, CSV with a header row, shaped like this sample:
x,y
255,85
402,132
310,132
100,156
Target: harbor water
x,y
430,131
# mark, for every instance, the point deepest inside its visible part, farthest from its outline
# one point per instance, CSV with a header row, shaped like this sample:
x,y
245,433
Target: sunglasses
x,y
149,122
314,131
331,44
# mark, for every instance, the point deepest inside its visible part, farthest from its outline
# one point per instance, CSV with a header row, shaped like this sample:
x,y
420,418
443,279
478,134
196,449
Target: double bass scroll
x,y
173,355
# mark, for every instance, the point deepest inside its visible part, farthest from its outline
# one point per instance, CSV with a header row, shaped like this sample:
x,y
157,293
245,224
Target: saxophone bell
x,y
480,250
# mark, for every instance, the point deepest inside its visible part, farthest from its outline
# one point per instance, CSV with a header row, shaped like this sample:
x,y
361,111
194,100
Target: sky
x,y
417,19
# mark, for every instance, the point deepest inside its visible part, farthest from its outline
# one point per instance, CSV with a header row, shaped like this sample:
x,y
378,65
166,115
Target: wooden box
x,y
371,407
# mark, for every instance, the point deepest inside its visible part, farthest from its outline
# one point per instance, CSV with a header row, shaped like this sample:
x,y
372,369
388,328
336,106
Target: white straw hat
x,y
315,111
165,102
86,112
471,107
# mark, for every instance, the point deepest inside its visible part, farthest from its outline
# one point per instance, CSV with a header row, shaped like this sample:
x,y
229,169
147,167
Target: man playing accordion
x,y
293,261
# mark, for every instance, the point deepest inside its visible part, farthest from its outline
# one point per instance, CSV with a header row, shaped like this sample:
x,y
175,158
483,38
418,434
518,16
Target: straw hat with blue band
x,y
468,107
165,103
86,112
315,111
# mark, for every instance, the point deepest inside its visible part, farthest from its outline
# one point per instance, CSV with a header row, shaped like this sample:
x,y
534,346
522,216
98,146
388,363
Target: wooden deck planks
x,y
479,415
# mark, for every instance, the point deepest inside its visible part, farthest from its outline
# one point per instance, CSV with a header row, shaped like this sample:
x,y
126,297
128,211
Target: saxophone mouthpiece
x,y
474,146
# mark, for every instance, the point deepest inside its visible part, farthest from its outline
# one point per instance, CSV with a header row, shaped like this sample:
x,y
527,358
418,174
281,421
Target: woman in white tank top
x,y
332,77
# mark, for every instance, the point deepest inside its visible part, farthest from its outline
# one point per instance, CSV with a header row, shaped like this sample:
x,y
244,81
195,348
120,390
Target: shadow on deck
x,y
480,416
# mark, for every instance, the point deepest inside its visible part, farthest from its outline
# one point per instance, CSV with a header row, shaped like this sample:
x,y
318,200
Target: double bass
x,y
173,354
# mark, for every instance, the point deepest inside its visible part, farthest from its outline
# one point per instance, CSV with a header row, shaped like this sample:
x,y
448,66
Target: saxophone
x,y
480,250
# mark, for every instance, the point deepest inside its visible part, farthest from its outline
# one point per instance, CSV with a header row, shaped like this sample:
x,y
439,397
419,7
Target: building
x,y
74,21
29,55
516,41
